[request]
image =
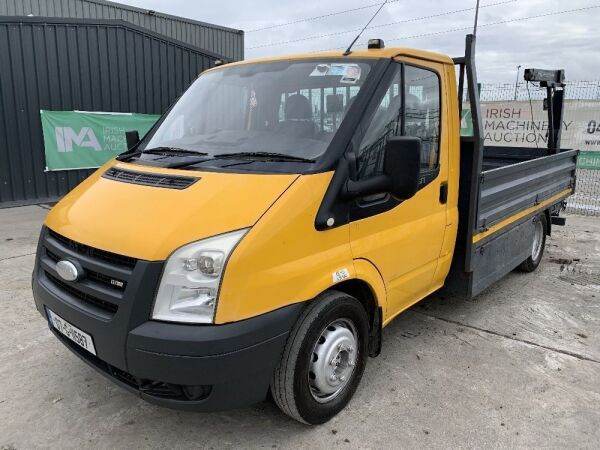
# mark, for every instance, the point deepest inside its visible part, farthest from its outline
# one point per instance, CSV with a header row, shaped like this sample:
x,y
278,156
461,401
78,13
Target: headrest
x,y
297,107
412,102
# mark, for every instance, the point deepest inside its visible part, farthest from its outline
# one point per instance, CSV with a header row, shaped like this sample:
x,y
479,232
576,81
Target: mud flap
x,y
375,335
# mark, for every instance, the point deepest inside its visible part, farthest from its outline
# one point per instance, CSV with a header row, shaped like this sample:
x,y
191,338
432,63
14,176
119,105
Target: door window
x,y
419,117
386,122
422,113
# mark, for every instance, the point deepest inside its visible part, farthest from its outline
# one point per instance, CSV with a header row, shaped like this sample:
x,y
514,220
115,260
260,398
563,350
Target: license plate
x,y
78,336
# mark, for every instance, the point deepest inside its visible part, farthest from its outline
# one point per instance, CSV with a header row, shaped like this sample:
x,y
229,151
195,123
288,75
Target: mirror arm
x,y
352,166
374,185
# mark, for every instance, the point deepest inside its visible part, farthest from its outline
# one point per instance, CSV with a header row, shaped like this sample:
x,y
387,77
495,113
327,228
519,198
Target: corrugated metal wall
x,y
64,64
224,41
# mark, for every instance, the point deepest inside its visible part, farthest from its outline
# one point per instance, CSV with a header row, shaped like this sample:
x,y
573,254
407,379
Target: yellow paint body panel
x,y
385,53
284,259
149,223
407,243
367,272
449,156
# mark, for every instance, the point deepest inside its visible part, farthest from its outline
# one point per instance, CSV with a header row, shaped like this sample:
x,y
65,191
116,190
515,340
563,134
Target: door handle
x,y
444,193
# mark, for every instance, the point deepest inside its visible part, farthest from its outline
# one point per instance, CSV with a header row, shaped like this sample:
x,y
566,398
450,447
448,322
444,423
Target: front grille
x,y
113,283
123,376
89,299
101,289
149,179
108,257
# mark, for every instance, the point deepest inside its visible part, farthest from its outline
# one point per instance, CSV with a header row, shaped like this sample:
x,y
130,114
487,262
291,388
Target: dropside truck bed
x,y
502,191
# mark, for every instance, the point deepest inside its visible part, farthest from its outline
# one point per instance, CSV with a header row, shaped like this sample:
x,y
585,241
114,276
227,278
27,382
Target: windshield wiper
x,y
173,151
163,151
269,156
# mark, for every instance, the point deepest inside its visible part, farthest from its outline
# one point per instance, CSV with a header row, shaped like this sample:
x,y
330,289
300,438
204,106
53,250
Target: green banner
x,y
466,123
589,160
85,140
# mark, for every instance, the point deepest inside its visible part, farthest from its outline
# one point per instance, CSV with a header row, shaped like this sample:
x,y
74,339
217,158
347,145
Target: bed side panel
x,y
506,191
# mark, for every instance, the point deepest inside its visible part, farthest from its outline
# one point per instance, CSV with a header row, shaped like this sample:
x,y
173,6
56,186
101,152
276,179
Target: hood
x,y
149,222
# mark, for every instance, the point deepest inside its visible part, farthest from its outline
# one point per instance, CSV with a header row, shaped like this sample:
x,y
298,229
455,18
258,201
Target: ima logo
x,y
66,137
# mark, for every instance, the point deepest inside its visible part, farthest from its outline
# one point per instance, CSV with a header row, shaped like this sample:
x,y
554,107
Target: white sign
x,y
521,124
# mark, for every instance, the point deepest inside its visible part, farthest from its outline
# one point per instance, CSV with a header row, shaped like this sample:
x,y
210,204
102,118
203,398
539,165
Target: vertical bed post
x,y
477,147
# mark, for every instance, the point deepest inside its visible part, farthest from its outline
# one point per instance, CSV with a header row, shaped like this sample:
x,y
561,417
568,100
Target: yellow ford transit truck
x,y
284,211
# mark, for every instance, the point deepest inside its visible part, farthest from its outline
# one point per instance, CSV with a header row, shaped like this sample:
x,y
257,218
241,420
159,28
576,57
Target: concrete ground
x,y
517,367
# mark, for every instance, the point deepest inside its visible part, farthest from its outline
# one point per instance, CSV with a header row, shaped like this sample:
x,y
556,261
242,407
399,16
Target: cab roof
x,y
384,53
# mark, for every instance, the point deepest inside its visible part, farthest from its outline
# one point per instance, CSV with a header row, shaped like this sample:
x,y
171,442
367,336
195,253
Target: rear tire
x,y
537,246
323,360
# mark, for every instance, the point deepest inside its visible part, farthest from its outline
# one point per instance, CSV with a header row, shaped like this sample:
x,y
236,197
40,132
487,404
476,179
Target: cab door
x,y
403,239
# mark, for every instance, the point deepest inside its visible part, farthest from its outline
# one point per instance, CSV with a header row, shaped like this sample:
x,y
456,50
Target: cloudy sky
x,y
570,40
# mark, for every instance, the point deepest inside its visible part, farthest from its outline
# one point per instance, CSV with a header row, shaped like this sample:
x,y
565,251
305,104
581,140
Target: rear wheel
x,y
537,246
323,360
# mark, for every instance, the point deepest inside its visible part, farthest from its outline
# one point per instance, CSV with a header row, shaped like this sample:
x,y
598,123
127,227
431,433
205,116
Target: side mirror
x,y
401,171
133,138
402,165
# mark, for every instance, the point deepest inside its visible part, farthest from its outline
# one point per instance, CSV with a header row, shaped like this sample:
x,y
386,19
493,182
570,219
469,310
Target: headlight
x,y
189,285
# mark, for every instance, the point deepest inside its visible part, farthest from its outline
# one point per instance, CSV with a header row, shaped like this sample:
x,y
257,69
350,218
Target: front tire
x,y
323,360
537,246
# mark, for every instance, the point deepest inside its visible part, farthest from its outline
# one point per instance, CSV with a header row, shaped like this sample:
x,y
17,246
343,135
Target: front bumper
x,y
193,367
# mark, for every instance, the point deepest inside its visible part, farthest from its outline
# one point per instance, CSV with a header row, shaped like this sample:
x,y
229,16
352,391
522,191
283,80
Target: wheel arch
x,y
362,291
368,288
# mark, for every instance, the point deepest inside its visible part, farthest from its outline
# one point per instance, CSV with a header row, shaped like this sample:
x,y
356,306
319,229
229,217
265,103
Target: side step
x,y
560,221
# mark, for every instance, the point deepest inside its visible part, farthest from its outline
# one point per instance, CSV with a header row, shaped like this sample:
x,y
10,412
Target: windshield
x,y
289,108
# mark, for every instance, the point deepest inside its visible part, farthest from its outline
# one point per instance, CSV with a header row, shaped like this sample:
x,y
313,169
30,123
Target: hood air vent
x,y
149,179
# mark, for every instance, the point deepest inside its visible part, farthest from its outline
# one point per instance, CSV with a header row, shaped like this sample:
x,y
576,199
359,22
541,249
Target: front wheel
x,y
323,360
537,246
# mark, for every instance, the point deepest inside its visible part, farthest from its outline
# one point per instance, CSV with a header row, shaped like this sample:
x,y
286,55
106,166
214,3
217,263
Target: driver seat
x,y
298,121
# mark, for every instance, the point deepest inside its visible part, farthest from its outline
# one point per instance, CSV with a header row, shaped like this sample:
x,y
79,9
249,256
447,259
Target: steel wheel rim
x,y
333,360
538,239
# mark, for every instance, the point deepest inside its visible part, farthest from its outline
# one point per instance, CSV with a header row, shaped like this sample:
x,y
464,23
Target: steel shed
x,y
78,64
225,41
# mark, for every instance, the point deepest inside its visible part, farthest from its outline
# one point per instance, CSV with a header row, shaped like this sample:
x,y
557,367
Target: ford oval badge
x,y
67,270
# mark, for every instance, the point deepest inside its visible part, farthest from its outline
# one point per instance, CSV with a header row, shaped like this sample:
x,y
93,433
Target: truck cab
x,y
276,218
